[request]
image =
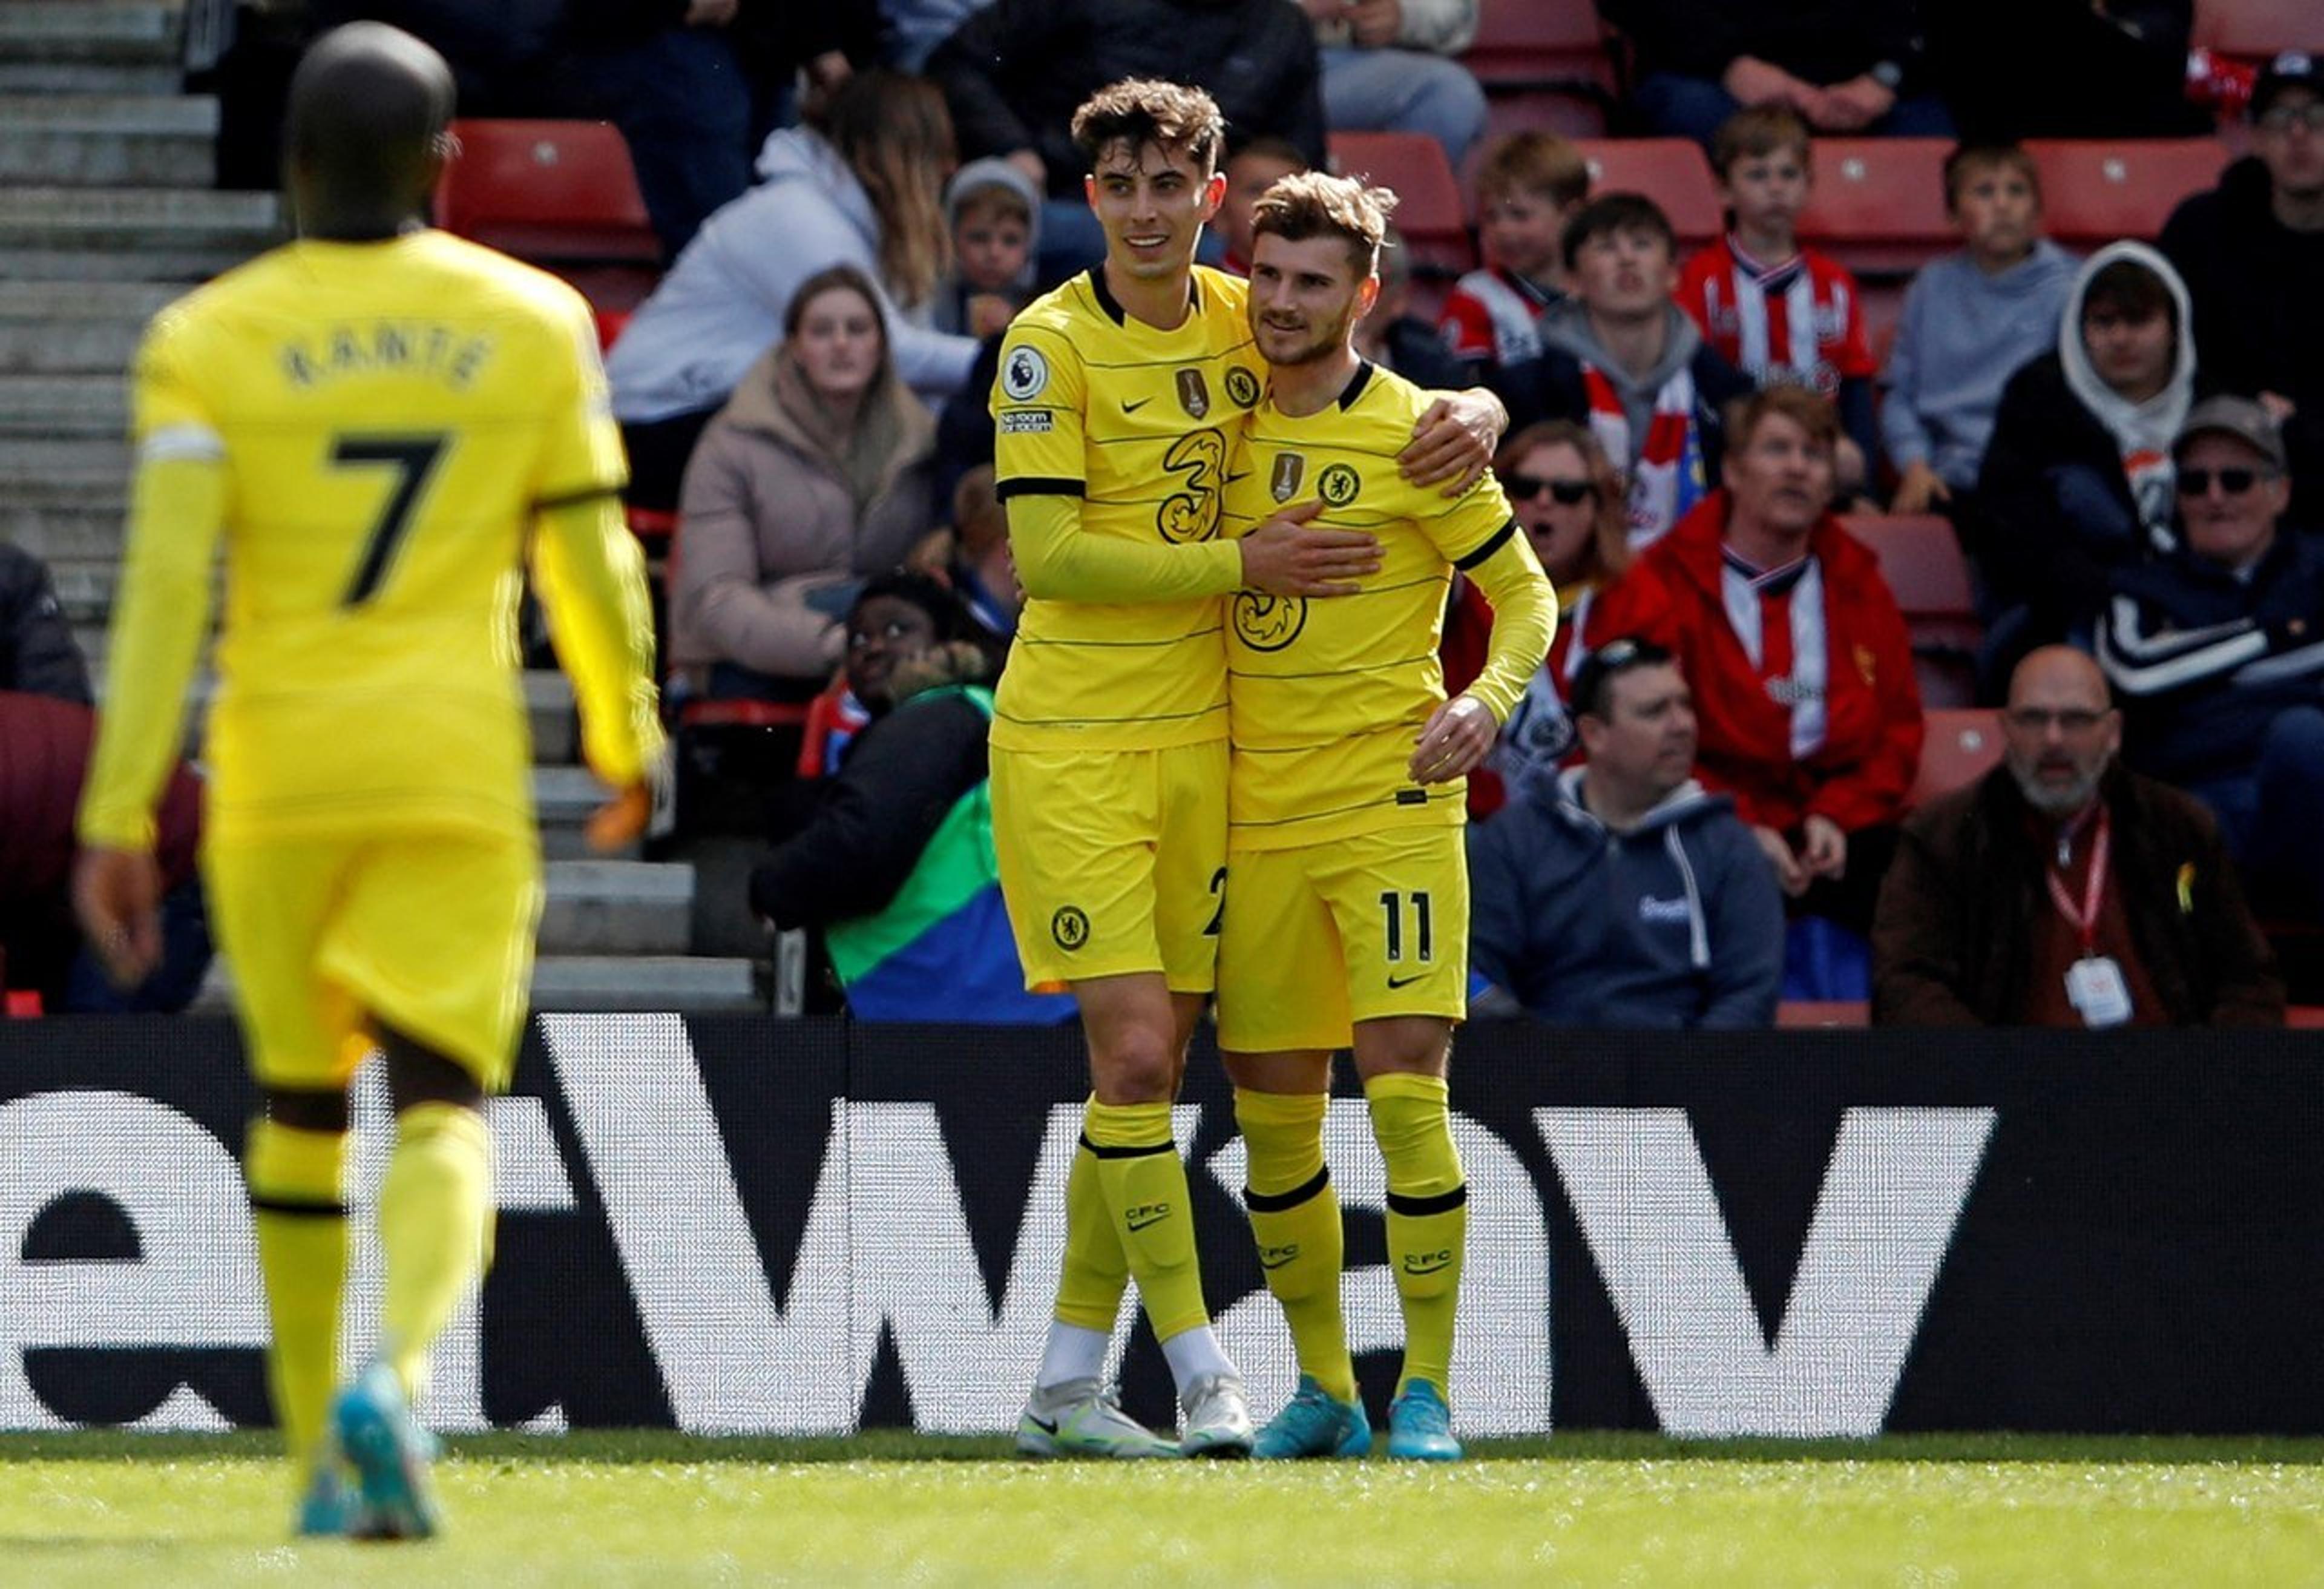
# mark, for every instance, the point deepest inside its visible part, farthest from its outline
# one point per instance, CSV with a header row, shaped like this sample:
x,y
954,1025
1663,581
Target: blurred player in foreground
x,y
1347,899
377,422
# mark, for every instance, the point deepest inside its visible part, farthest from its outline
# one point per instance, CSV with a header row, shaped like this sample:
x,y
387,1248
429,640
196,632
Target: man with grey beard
x,y
2063,890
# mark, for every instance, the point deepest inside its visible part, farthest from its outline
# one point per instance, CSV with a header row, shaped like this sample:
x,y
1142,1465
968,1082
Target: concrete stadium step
x,y
563,799
548,705
684,984
132,32
689,984
64,518
109,139
90,77
27,458
617,908
132,234
64,405
69,328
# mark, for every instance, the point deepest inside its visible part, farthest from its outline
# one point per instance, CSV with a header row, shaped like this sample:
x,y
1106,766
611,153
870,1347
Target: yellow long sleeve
x,y
161,610
591,579
1057,560
1524,619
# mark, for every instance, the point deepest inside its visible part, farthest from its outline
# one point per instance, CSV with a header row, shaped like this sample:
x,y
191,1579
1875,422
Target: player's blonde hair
x,y
1316,204
896,135
1139,111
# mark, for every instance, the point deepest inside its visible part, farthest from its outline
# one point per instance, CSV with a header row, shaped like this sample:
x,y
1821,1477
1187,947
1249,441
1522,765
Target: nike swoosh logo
x,y
1129,407
1279,1263
1405,981
1426,1268
1045,1426
1140,1224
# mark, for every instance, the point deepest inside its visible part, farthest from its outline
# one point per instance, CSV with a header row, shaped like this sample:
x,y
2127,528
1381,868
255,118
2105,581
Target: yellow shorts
x,y
1320,937
1111,862
430,934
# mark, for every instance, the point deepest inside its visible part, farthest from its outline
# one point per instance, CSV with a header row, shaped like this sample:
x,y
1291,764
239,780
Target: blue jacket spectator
x,y
1619,894
2217,651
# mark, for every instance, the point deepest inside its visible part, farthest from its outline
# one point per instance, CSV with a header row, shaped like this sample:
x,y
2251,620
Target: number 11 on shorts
x,y
1393,906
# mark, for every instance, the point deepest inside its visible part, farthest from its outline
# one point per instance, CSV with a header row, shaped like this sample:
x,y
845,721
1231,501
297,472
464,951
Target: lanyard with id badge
x,y
2094,983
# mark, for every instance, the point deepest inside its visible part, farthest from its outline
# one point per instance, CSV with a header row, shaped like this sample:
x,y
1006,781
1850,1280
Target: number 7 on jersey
x,y
414,461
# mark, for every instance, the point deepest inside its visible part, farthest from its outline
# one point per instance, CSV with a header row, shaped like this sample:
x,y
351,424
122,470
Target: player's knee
x,y
307,1109
417,1073
1136,1066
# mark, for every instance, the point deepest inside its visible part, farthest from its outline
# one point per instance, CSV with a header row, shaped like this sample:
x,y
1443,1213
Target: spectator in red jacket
x,y
1802,668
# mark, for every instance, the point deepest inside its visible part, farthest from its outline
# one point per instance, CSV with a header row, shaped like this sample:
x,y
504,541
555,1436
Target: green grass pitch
x,y
894,1509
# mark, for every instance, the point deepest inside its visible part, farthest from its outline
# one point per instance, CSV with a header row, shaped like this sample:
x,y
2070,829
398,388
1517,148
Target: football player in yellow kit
x,y
378,424
1346,901
1119,399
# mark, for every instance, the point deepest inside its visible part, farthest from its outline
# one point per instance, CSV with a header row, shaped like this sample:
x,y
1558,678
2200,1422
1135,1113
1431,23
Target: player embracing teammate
x,y
1122,398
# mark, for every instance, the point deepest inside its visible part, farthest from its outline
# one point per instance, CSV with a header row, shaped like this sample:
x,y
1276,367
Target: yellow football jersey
x,y
376,427
1139,423
1329,696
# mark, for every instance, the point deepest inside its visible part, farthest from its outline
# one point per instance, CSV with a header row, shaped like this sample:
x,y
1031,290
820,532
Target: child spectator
x,y
981,570
1971,319
1528,187
1620,356
1251,169
1395,338
2076,478
1774,309
995,214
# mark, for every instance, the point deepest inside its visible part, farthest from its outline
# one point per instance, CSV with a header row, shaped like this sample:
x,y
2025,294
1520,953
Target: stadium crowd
x,y
1721,750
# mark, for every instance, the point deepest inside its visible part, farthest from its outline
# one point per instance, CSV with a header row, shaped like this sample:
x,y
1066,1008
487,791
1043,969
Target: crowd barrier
x,y
744,1224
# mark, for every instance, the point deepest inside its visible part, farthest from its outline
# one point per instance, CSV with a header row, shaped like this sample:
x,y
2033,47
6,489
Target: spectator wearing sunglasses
x,y
2252,251
2218,651
1568,500
2063,890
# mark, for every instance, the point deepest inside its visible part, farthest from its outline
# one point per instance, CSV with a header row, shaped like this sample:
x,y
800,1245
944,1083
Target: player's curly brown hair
x,y
1147,110
1315,204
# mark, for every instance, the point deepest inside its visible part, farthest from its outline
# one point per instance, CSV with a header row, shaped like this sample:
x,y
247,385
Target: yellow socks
x,y
1144,1184
1295,1217
297,1204
435,1230
1427,1216
1096,1271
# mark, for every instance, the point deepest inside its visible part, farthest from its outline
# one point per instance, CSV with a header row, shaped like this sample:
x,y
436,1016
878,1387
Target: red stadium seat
x,y
1669,170
2304,1017
1530,42
1921,558
2096,190
1428,213
2257,29
1878,204
1807,1014
559,194
1961,746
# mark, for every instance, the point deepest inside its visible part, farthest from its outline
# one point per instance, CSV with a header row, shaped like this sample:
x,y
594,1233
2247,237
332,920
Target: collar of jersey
x,y
1114,311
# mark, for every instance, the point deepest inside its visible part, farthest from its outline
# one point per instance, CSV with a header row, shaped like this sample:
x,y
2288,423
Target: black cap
x,y
2294,68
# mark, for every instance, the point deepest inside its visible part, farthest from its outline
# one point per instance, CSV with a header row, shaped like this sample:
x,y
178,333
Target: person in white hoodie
x,y
2077,479
1619,894
859,186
